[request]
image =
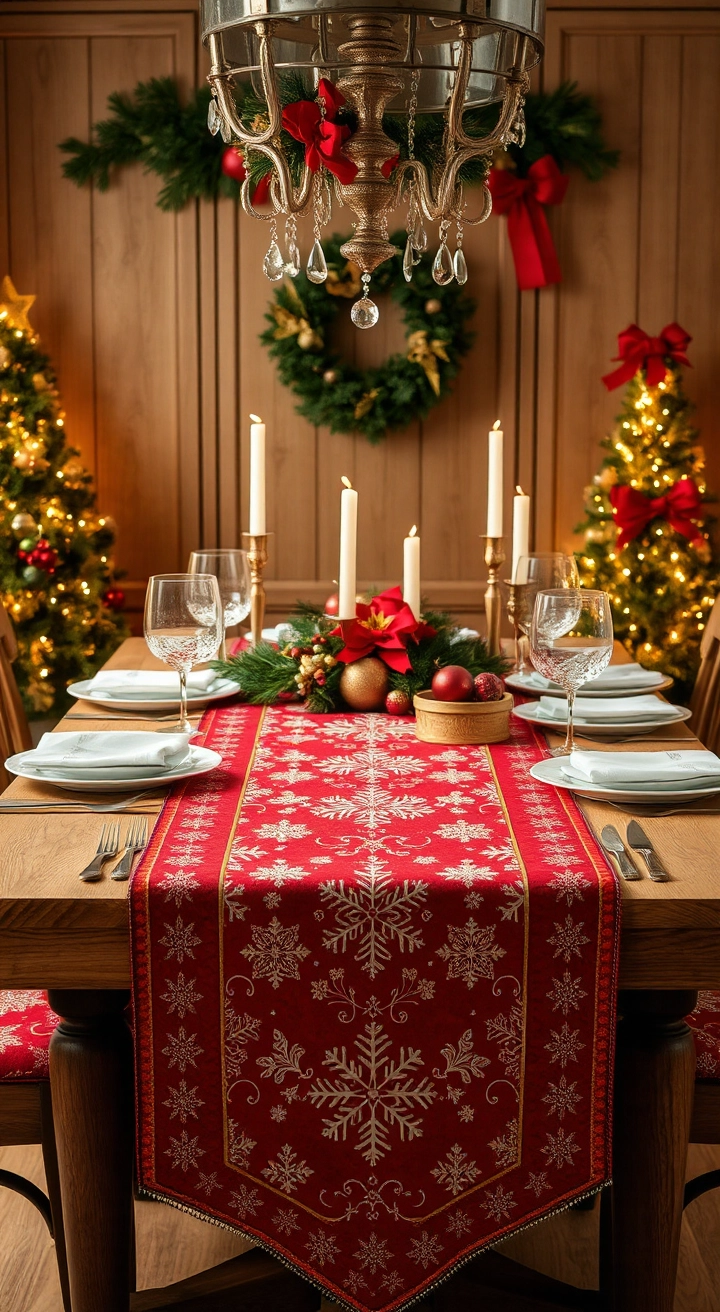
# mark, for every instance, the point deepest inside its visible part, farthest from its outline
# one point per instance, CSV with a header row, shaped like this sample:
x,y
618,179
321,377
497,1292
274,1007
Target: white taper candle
x,y
495,481
411,571
347,577
521,530
257,476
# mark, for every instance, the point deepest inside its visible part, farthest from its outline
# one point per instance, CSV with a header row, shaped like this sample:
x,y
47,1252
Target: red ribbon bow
x,y
382,629
638,351
523,199
633,510
322,137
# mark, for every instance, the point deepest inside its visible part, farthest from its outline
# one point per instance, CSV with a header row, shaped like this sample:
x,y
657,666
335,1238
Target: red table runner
x,y
374,987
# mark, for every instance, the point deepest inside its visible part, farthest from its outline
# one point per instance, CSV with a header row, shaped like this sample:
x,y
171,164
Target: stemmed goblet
x,y
183,626
231,569
571,641
548,569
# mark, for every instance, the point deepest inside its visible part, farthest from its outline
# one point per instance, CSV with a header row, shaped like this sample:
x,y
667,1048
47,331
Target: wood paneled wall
x,y
152,319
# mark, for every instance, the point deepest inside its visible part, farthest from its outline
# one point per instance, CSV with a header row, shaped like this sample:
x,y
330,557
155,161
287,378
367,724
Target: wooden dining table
x,y
73,939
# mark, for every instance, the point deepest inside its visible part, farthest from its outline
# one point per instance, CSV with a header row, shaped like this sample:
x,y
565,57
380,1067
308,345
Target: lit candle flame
x,y
256,419
519,490
413,531
346,481
496,425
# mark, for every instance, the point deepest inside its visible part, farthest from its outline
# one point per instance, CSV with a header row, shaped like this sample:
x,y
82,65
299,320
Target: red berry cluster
x,y
314,661
42,556
453,683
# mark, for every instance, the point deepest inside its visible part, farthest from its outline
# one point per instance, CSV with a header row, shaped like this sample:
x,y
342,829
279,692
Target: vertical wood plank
x,y
209,273
228,369
50,225
4,174
659,180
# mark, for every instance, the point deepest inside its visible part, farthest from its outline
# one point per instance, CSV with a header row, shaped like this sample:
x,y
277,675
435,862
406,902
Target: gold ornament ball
x,y
330,376
23,459
22,524
364,684
433,306
607,478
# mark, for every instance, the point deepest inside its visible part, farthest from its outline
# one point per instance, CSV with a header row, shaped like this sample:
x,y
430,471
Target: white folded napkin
x,y
608,709
631,675
121,755
149,684
640,771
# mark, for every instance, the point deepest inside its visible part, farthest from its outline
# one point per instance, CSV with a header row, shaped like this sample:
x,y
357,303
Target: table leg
x,y
92,1097
654,1079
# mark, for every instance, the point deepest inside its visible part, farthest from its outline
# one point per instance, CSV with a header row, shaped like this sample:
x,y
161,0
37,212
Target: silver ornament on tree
x,y
23,524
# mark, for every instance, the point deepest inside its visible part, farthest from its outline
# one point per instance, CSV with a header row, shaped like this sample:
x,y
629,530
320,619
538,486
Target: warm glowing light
x,y
496,425
345,481
256,419
413,531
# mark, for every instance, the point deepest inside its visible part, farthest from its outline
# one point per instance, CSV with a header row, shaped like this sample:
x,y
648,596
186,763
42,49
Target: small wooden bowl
x,y
461,722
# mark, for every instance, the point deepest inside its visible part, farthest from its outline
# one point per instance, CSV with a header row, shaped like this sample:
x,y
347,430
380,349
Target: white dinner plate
x,y
519,682
549,771
595,728
219,689
202,760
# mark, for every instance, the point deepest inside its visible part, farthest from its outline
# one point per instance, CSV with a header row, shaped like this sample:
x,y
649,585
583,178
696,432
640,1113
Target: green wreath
x,y
335,394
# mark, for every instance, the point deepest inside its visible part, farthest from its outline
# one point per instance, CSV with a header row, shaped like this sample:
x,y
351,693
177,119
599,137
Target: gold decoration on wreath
x,y
427,354
290,325
366,403
347,283
14,308
364,684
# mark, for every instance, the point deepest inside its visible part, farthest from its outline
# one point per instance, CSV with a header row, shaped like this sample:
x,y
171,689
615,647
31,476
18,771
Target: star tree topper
x,y
14,307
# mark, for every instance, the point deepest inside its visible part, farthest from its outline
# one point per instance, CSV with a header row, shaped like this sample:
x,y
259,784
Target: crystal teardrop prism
x,y
316,267
292,268
364,313
420,237
460,266
225,132
442,269
273,264
408,261
214,118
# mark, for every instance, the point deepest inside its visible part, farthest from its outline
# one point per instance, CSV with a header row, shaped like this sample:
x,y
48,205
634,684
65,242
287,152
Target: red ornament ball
x,y
332,605
113,598
43,556
488,688
233,165
397,702
453,683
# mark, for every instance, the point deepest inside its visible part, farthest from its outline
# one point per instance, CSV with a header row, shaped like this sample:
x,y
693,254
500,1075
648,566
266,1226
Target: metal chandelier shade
x,y
401,58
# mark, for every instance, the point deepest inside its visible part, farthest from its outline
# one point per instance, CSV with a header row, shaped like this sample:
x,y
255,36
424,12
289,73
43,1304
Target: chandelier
x,y
323,101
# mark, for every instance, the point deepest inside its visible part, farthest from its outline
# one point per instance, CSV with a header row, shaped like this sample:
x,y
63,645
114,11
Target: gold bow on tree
x,y
289,324
427,354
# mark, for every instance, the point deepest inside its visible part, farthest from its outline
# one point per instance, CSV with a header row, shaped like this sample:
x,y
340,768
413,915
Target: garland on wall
x,y
152,127
337,395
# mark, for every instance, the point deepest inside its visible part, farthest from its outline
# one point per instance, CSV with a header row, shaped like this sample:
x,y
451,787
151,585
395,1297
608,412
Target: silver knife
x,y
612,842
638,839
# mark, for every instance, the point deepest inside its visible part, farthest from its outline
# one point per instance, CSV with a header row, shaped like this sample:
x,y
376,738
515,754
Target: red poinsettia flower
x,y
323,138
382,629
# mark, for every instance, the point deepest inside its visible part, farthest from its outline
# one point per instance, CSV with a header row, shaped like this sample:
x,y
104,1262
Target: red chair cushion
x,y
704,1022
26,1023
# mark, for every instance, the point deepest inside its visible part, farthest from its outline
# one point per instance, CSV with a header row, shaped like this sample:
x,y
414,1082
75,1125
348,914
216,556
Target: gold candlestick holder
x,y
517,594
494,557
256,547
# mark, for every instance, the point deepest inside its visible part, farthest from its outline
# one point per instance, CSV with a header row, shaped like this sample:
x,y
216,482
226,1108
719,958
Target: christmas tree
x,y
647,531
56,575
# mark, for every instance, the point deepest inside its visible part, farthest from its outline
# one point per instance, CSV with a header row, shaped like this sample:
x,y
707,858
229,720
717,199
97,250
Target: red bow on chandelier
x,y
638,351
633,510
323,138
523,200
382,629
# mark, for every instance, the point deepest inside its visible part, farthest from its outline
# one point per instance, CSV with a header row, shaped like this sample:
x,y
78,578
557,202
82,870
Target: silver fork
x,y
136,841
108,847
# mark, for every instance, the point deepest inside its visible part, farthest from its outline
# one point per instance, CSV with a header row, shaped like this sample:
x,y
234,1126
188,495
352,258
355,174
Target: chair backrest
x,y
705,701
14,728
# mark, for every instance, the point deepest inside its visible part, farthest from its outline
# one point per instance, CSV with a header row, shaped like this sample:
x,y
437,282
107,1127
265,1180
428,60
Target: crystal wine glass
x,y
546,569
183,626
231,569
571,641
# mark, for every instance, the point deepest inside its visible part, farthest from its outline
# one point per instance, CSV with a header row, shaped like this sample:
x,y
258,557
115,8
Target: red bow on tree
x,y
323,137
633,510
638,351
382,629
523,199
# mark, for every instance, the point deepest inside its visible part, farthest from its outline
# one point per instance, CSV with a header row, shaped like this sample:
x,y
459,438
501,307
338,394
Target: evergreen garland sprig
x,y
267,674
153,127
337,395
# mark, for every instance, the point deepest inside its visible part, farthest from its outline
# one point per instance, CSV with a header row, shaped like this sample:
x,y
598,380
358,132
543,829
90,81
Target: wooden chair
x,y
705,700
14,729
705,1128
25,1107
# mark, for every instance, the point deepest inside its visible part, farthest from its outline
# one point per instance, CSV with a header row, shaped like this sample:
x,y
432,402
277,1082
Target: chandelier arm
x,y
223,82
513,100
430,208
285,198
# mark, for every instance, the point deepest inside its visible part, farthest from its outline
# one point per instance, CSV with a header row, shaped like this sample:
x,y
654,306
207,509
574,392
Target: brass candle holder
x,y
494,557
256,547
516,601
